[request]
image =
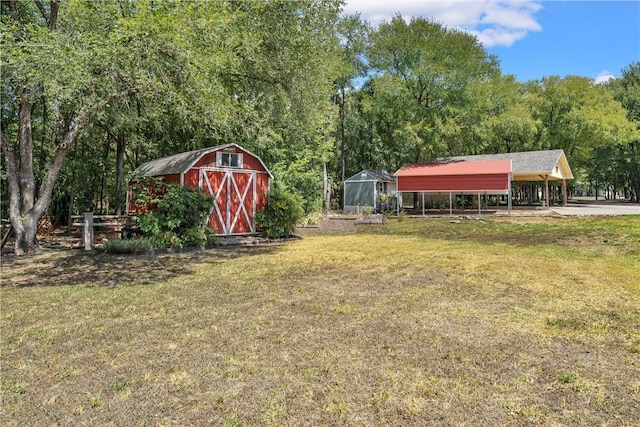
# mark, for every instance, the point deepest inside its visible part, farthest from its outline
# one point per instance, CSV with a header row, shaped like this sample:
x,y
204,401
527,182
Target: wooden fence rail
x,y
88,221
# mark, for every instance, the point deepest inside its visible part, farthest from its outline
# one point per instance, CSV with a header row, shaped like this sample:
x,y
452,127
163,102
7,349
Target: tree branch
x,y
46,189
18,32
50,18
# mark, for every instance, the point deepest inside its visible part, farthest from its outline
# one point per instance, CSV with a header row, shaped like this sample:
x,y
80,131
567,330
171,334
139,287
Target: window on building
x,y
230,160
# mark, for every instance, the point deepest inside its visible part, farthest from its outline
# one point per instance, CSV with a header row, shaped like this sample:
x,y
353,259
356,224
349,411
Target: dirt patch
x,y
332,224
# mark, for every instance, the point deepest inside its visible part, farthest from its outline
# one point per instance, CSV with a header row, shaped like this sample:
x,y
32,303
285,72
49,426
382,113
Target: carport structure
x,y
489,174
457,177
541,166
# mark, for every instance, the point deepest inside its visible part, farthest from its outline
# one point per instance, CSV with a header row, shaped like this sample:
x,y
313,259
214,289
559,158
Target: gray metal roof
x,y
181,162
522,162
377,175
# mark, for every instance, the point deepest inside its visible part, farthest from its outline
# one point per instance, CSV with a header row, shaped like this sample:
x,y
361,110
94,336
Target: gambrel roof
x,y
176,163
181,162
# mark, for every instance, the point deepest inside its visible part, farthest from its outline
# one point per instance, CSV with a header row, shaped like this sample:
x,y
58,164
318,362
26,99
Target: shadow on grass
x,y
76,268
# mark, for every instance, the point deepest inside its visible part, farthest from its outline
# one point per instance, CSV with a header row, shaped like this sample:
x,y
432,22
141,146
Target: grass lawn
x,y
506,321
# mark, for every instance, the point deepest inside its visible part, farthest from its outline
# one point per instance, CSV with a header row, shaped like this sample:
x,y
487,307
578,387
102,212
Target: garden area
x,y
490,321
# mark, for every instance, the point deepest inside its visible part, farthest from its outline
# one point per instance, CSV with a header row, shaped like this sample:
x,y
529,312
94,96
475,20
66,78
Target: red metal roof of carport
x,y
492,176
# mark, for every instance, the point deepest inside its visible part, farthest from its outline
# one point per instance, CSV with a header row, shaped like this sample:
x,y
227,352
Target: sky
x,y
533,39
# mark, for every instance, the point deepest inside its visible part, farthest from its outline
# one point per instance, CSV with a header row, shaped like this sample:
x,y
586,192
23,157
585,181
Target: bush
x,y
176,215
131,246
281,215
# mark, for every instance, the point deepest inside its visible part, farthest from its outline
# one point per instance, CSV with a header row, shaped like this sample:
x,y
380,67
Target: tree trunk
x,y
342,134
327,190
24,209
121,145
103,178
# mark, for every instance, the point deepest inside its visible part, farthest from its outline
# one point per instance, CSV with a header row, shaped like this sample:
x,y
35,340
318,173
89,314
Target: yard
x,y
519,321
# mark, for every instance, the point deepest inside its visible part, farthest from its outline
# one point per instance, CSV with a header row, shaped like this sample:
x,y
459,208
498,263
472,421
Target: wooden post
x,y
546,190
325,189
564,193
87,233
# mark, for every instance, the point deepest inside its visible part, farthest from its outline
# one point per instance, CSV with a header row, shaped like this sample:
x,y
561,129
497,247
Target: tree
x,y
627,91
581,118
509,125
353,34
83,59
433,72
28,31
282,85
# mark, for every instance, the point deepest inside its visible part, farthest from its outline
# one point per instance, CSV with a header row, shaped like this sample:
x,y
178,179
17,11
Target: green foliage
x,y
153,78
176,214
626,157
571,380
312,218
426,93
128,246
281,215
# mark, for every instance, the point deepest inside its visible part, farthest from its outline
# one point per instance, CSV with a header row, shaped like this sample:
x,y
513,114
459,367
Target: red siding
x,y
470,183
192,178
236,202
249,162
172,179
489,176
262,189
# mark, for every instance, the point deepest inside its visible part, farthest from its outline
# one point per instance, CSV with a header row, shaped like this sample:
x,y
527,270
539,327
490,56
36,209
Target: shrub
x,y
131,246
312,218
281,215
176,215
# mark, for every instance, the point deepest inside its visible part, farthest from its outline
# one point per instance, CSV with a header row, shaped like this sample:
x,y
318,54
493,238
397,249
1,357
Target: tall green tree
x,y
353,34
432,71
627,91
82,58
136,80
581,118
508,125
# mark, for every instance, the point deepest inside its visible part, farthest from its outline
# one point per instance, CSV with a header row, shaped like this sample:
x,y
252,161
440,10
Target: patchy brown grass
x,y
528,321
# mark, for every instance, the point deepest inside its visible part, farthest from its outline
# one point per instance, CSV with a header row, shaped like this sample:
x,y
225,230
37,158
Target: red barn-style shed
x,y
238,180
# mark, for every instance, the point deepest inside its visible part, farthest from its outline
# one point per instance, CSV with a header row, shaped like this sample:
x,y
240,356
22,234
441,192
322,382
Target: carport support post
x,y
450,203
546,191
479,205
87,232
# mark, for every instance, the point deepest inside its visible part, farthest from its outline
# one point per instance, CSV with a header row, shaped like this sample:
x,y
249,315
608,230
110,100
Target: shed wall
x,y
359,192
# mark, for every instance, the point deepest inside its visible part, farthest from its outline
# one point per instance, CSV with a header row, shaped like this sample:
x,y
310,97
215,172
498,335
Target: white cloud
x,y
494,22
603,77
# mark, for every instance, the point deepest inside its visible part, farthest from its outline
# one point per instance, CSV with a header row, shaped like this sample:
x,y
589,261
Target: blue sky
x,y
533,39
